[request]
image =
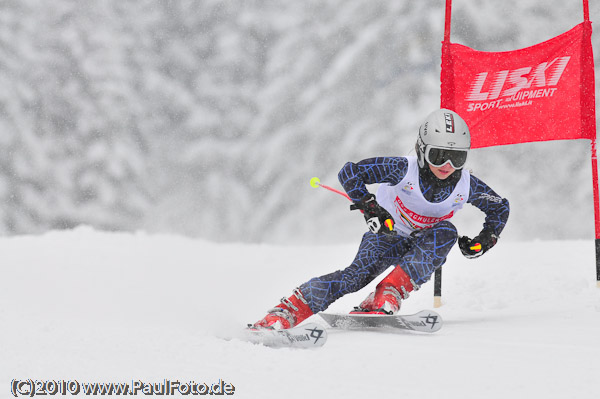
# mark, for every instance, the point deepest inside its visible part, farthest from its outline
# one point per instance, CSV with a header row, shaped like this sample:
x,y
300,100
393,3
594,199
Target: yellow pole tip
x,y
315,182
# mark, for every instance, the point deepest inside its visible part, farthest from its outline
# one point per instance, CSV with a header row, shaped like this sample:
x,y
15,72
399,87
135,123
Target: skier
x,y
407,220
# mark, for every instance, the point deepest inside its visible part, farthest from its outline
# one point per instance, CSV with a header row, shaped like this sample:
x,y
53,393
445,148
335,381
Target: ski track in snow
x,y
523,321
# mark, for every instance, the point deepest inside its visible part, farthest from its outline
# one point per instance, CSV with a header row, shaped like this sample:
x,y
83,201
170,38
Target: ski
x,y
306,336
423,321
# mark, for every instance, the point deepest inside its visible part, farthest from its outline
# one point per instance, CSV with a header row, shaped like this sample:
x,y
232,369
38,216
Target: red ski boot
x,y
388,294
289,313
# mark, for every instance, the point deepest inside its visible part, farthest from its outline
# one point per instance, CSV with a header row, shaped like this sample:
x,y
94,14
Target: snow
x,y
522,321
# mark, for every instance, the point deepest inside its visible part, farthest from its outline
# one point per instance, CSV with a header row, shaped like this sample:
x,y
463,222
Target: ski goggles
x,y
438,157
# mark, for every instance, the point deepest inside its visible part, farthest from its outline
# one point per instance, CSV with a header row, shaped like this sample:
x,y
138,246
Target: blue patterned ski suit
x,y
418,255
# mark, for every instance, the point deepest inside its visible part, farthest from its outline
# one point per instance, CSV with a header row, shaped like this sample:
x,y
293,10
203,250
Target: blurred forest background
x,y
208,118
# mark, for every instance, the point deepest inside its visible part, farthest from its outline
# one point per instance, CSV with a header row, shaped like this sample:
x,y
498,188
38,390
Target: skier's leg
x,y
428,252
370,262
318,293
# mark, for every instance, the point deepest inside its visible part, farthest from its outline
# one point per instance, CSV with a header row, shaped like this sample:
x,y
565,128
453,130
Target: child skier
x,y
407,220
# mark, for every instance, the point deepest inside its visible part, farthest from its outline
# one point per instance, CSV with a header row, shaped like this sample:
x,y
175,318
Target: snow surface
x,y
521,322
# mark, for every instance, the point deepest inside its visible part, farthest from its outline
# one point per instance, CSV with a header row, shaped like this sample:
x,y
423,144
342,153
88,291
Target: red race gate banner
x,y
540,93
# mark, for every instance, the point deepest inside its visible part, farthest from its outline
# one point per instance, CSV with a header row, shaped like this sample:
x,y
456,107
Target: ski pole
x,y
316,183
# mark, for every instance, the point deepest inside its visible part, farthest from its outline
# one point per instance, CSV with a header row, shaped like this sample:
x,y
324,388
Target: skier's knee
x,y
446,225
446,231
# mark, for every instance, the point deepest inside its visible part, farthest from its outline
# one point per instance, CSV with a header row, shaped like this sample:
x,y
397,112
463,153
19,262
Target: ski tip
x,y
315,332
305,336
431,319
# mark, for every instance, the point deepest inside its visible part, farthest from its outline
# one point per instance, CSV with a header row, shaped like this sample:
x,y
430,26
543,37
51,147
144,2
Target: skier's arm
x,y
496,211
355,176
496,208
